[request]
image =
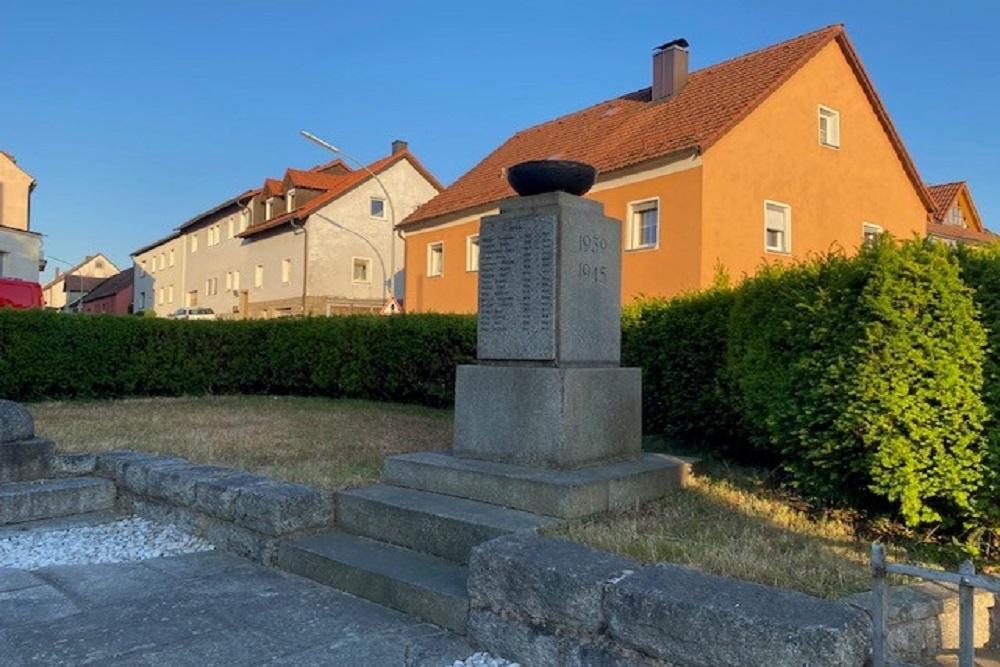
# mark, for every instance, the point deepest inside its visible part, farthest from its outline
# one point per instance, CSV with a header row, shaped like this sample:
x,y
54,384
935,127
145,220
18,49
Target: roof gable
x,y
337,186
947,195
630,130
110,286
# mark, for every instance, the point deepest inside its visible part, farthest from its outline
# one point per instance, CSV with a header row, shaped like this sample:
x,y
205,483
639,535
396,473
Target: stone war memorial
x,y
548,421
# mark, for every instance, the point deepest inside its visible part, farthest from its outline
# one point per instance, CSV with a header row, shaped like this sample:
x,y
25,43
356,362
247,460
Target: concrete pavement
x,y
202,610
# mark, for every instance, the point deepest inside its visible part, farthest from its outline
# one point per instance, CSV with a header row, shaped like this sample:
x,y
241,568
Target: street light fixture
x,y
392,209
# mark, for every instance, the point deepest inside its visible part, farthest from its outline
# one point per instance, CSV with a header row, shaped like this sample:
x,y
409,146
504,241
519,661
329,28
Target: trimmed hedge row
x,y
407,359
861,376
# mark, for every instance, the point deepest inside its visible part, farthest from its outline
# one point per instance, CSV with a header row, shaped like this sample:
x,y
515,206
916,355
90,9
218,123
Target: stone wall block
x,y
667,610
16,423
135,473
280,509
176,484
545,578
217,496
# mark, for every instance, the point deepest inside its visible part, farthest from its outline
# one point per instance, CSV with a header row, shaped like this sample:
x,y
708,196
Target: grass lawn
x,y
729,522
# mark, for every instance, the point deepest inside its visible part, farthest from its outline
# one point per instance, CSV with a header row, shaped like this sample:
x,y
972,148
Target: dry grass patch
x,y
730,523
335,444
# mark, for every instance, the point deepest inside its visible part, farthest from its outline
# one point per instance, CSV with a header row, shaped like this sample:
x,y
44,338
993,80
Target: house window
x,y
171,261
229,280
268,208
194,243
286,270
160,296
3,262
191,299
435,259
142,301
162,261
643,224
472,252
246,216
376,208
362,270
290,200
869,232
170,293
777,227
955,216
230,228
258,276
236,280
829,127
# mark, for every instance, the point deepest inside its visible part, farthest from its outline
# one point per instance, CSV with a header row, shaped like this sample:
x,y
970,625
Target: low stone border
x,y
547,601
245,514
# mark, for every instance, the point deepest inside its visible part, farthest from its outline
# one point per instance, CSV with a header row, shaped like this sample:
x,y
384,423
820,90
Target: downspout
x,y
305,260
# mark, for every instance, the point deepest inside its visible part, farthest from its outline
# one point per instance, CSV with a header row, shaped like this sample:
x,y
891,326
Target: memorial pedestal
x,y
552,418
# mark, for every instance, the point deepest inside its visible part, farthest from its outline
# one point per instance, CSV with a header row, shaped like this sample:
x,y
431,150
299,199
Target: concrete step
x,y
50,498
428,587
432,523
563,494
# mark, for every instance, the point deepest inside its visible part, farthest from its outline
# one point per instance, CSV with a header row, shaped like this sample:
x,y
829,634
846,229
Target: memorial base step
x,y
21,502
562,494
430,588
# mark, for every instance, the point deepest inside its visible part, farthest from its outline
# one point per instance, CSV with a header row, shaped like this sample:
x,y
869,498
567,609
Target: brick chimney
x,y
670,69
398,146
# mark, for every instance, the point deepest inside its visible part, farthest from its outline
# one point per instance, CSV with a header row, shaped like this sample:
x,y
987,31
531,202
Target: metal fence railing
x,y
967,581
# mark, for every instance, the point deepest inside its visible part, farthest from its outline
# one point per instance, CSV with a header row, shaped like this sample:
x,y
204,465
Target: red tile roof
x,y
338,186
943,196
957,233
272,188
629,130
311,179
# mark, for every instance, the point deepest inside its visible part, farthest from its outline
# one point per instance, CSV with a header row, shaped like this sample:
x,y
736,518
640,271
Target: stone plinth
x,y
554,418
550,282
23,457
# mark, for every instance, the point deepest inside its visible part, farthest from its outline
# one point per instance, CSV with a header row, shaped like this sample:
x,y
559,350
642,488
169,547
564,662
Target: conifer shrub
x,y
864,375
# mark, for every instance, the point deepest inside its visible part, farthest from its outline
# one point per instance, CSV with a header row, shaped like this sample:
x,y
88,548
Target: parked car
x,y
20,293
193,314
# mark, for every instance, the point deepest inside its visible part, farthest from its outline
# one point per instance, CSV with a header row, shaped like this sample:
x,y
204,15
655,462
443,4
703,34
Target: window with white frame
x,y
229,280
152,266
286,270
170,293
870,232
171,261
643,224
955,217
258,276
435,259
472,252
829,127
3,262
362,272
246,217
160,296
290,200
212,286
194,243
777,227
268,208
236,280
230,228
162,261
142,301
376,208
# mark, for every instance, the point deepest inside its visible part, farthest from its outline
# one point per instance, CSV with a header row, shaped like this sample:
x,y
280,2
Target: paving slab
x,y
203,609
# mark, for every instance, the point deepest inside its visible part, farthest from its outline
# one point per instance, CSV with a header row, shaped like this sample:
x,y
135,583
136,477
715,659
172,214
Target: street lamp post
x,y
392,209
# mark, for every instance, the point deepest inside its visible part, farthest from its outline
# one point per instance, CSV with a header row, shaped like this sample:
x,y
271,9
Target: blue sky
x,y
136,116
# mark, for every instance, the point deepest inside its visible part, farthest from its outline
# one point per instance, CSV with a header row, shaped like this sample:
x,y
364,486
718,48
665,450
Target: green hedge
x,y
861,376
680,344
412,358
865,376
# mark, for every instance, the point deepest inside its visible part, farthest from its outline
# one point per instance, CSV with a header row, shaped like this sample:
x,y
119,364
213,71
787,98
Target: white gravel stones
x,y
118,542
483,660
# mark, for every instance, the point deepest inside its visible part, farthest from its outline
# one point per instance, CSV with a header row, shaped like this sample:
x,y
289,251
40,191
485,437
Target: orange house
x,y
768,157
955,218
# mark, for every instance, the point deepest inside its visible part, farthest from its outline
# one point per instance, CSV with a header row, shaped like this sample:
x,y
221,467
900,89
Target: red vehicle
x,y
20,293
